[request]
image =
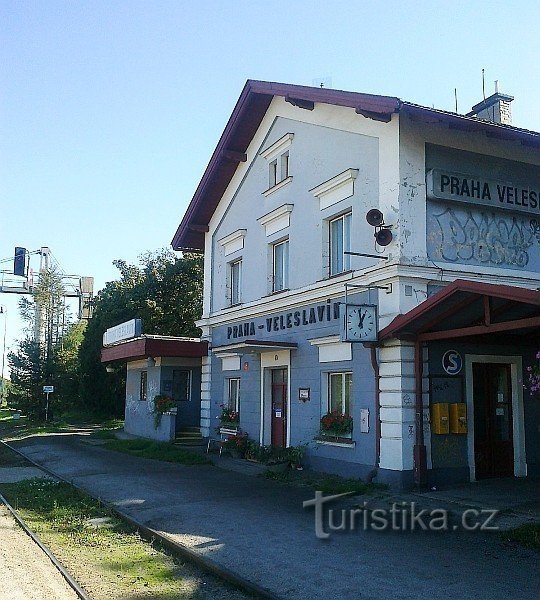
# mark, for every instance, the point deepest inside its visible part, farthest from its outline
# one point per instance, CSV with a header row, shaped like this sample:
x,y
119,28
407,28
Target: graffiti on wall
x,y
487,238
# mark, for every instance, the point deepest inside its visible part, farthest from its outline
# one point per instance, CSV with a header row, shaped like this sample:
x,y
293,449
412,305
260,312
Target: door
x,y
492,398
187,411
279,407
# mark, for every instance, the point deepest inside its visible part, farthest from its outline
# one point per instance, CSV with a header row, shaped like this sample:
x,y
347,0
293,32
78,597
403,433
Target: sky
x,y
110,110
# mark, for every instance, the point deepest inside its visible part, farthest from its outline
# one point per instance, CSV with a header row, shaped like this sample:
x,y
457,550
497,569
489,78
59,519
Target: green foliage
x,y
270,455
158,451
165,291
50,359
527,535
27,368
335,423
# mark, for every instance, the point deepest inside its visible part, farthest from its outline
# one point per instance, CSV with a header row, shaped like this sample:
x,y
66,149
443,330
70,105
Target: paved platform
x,y
260,529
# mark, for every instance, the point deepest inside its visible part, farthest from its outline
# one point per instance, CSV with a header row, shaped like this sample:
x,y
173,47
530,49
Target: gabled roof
x,y
246,119
469,308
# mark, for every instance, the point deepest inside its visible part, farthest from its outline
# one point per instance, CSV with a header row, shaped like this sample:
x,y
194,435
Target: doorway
x,y
493,420
187,414
279,407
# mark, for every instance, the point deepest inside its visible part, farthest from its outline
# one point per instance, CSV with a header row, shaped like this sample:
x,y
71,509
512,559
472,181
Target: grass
x,y
328,484
158,451
107,557
11,429
528,535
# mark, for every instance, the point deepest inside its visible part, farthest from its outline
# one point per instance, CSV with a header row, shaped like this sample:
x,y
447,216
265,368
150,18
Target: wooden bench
x,y
225,433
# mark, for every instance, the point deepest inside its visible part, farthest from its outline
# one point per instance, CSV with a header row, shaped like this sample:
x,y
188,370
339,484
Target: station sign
x,y
123,331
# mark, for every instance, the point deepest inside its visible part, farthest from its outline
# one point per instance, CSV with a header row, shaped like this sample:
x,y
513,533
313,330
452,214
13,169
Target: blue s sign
x,y
452,362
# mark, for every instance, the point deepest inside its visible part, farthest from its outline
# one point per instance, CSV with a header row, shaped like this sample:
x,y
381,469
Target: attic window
x,y
277,156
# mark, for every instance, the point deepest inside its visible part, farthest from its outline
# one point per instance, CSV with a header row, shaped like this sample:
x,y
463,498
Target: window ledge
x,y
334,275
333,441
278,186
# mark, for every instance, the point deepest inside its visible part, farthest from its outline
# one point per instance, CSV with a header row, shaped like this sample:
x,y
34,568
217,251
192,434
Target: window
x,y
340,242
278,169
235,281
284,166
340,393
278,160
143,386
233,399
281,266
181,385
273,173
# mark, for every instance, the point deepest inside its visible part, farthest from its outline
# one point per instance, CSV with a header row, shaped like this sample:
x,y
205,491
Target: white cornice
x,y
233,237
335,182
322,341
336,189
275,214
277,187
334,288
234,241
278,147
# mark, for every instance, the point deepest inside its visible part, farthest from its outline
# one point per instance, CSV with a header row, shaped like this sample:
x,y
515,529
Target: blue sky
x,y
109,111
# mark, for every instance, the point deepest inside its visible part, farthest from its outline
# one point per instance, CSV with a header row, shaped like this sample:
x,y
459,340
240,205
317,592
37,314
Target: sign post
x,y
47,389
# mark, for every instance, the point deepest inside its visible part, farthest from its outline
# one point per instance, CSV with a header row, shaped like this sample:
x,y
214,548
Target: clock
x,y
359,323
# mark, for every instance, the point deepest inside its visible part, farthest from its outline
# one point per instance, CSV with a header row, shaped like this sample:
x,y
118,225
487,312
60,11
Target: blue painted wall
x,y
306,371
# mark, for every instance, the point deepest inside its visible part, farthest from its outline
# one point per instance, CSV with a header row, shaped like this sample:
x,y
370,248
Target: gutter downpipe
x,y
419,454
374,363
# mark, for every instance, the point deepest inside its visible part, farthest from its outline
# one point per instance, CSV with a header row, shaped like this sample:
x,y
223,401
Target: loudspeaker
x,y
375,217
383,237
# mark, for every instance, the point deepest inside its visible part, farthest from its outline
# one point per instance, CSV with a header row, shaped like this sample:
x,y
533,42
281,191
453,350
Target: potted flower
x,y
336,424
162,404
229,416
236,445
534,376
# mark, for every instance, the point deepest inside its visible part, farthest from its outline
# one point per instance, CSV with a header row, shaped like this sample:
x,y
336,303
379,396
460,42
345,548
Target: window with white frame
x,y
280,266
235,282
277,156
340,242
233,398
143,386
340,393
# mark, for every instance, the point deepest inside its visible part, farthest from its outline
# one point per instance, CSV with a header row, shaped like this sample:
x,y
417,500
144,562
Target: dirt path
x,y
26,573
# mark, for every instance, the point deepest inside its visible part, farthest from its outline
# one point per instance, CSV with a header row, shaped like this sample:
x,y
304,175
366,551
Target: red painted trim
x,y
517,325
146,347
249,112
237,135
506,292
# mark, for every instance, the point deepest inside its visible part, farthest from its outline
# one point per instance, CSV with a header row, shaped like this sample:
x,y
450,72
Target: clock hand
x,y
361,322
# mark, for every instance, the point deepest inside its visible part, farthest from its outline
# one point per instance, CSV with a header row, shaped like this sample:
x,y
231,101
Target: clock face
x,y
361,323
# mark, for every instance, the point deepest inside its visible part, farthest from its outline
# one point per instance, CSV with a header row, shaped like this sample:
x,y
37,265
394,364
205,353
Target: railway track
x,y
152,535
70,580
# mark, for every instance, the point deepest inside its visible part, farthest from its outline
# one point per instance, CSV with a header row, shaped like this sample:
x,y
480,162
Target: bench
x,y
225,433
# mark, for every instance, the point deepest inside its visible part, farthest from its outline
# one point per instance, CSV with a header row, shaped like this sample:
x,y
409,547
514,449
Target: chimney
x,y
495,109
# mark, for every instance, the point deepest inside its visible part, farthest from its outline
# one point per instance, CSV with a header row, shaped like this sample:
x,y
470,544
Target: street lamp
x,y
3,311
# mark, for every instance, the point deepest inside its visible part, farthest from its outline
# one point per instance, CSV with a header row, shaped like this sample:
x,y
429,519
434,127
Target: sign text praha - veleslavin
x,y
446,185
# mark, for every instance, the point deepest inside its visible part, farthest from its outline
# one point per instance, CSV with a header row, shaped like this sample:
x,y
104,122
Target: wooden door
x,y
493,439
279,407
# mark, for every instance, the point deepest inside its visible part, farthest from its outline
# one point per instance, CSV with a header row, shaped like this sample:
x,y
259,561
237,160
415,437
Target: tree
x,y
33,365
27,378
165,291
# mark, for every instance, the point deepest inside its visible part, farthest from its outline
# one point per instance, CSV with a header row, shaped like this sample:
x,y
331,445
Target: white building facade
x,y
446,312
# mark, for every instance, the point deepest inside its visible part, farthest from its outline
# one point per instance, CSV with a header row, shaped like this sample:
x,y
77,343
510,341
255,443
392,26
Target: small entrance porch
x,y
160,367
472,345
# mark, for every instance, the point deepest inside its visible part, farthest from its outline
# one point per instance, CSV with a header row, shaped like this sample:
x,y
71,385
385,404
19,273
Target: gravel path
x,y
26,573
